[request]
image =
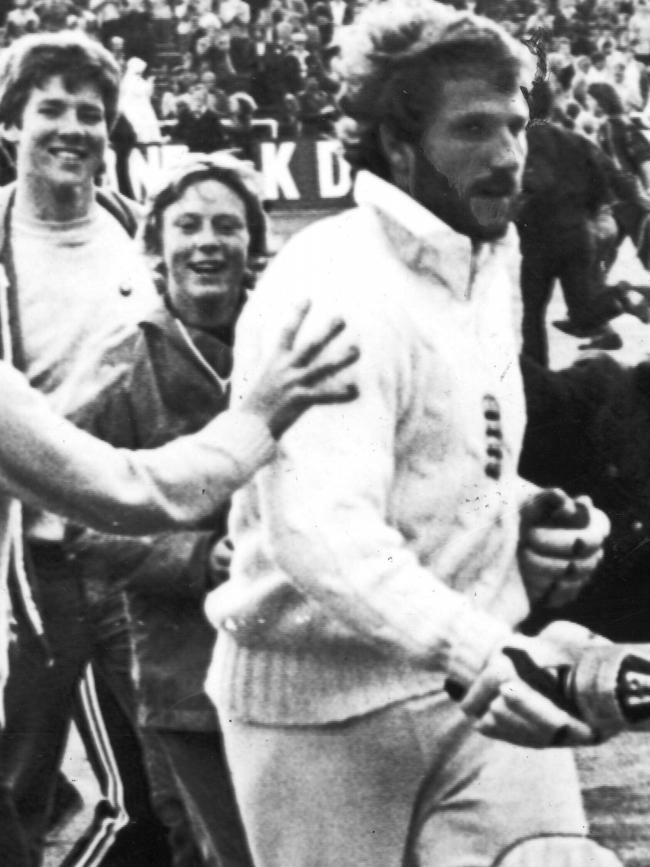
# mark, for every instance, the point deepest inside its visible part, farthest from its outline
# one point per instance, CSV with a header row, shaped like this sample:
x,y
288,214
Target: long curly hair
x,y
394,60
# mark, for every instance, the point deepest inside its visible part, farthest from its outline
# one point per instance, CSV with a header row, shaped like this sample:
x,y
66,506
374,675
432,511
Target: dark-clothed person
x,y
199,125
629,150
206,226
588,429
565,227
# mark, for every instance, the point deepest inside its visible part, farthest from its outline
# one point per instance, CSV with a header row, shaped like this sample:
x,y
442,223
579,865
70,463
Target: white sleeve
x,y
48,462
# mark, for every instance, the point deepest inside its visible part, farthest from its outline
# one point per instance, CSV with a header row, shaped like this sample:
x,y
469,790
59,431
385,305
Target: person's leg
x,y
489,797
169,806
412,785
38,699
15,849
202,782
580,277
337,795
119,835
126,830
536,289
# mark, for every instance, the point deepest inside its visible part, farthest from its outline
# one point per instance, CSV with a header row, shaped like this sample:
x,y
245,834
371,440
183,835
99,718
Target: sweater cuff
x,y
250,443
476,635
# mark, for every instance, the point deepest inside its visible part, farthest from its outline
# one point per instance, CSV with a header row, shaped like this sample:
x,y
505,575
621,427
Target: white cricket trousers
x,y
411,785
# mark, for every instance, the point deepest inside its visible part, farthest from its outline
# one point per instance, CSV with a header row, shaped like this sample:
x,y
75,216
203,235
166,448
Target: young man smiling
x,y
58,98
75,280
72,284
202,271
204,228
390,545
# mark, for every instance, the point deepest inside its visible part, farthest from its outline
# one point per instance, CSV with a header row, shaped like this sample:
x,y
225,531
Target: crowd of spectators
x,y
213,69
238,64
227,73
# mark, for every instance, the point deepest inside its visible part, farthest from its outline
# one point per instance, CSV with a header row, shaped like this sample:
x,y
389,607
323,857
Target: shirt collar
x,y
425,243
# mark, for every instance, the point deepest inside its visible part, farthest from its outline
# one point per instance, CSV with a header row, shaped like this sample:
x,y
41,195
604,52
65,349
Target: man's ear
x,y
399,155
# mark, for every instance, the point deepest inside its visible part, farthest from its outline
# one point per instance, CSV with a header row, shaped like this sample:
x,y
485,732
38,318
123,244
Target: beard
x,y
493,214
483,210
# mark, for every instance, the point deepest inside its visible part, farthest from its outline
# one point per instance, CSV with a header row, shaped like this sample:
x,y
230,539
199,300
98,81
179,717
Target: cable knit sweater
x,y
377,552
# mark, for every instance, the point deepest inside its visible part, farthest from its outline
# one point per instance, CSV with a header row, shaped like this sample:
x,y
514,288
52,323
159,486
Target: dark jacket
x,y
565,181
589,433
168,391
274,75
202,133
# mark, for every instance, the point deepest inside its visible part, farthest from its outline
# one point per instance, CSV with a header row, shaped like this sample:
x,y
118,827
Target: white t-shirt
x,y
76,282
82,288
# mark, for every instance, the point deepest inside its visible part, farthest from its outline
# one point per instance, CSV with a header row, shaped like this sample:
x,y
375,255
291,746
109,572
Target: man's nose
x,y
509,151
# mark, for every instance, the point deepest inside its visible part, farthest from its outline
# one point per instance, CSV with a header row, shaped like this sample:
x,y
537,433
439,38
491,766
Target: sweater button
x,y
491,408
612,471
637,526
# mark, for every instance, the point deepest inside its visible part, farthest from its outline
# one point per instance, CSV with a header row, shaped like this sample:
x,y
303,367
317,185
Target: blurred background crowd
x,y
208,73
227,73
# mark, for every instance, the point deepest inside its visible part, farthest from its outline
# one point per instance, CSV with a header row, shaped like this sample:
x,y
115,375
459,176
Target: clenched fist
x,y
560,546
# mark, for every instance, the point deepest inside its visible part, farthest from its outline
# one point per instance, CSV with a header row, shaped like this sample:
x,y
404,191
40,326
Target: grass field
x,y
615,780
615,777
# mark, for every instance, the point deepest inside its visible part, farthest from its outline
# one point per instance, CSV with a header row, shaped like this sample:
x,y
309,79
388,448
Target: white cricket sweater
x,y
377,553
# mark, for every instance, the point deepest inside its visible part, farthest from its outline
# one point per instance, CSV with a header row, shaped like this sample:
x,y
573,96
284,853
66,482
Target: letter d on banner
x,y
330,165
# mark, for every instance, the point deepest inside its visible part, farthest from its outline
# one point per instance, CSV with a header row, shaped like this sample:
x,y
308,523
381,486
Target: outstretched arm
x,y
48,462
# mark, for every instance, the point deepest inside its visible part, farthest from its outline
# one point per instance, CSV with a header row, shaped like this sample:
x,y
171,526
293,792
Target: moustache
x,y
497,186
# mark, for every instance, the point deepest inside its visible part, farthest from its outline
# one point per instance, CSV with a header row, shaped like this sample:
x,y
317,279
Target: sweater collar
x,y
425,244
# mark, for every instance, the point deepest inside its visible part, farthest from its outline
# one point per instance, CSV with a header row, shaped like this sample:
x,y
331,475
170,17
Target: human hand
x,y
560,546
603,226
300,372
570,640
516,698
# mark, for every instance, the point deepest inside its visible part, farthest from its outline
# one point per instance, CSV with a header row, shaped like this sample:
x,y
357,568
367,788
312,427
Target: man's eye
x,y
187,225
474,128
48,111
91,117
